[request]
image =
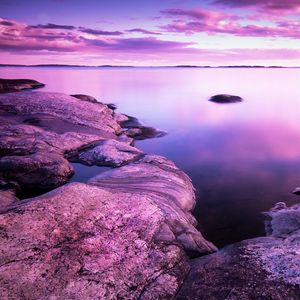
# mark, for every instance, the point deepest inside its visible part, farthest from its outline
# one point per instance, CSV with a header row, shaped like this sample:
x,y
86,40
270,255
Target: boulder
x,y
259,268
110,153
225,98
15,85
171,190
125,235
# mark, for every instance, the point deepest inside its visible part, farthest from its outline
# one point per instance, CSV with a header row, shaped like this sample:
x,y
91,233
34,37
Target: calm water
x,y
242,157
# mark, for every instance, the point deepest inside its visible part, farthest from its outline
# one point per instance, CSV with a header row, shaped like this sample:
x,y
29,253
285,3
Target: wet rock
x,y
144,132
15,85
259,268
224,98
85,98
296,191
170,189
110,153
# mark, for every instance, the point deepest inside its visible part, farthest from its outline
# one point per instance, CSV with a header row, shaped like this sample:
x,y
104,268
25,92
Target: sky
x,y
150,33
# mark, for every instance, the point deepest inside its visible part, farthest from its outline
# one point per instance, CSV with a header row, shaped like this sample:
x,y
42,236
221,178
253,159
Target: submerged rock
x,y
259,268
15,85
224,98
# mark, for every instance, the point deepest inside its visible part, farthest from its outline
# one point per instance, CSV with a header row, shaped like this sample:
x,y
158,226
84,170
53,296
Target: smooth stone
x,y
259,268
171,190
15,85
224,98
110,153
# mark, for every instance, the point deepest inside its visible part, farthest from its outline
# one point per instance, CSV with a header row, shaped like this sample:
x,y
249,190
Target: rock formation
x,y
260,268
126,234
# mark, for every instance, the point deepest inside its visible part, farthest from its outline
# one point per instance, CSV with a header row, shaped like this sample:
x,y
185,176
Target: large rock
x,y
125,235
171,190
259,268
61,106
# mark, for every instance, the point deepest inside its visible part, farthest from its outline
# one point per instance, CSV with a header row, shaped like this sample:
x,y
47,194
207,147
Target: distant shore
x,y
176,66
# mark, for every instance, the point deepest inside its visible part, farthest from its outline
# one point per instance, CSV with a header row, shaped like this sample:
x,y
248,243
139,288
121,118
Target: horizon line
x,y
133,66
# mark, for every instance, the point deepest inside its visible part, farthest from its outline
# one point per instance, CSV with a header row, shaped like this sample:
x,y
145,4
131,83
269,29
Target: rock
x,y
38,170
62,107
112,106
142,133
15,85
89,242
85,98
224,98
170,189
120,118
110,153
259,268
296,191
7,194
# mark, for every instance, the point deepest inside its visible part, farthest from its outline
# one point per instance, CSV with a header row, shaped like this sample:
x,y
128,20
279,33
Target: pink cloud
x,y
265,4
199,20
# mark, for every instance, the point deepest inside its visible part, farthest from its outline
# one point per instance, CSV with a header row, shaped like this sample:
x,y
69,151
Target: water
x,y
242,157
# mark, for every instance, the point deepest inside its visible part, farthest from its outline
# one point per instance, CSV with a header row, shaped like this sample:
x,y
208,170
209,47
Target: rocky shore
x,y
127,233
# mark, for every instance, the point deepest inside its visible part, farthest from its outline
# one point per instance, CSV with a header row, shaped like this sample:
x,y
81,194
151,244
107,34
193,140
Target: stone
x,y
15,85
225,98
38,170
85,98
259,268
171,190
62,107
144,132
110,153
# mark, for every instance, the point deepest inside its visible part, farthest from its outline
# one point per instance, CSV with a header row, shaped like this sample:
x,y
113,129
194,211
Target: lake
x,y
242,157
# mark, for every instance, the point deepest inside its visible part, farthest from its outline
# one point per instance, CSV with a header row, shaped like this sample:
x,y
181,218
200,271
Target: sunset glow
x,y
150,33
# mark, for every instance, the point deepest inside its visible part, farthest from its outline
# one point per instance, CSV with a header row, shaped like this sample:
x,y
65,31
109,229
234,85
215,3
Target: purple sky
x,y
165,32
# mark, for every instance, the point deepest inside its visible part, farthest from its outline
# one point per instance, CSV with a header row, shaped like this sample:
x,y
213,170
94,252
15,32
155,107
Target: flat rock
x,y
15,85
259,268
61,106
110,153
171,190
225,98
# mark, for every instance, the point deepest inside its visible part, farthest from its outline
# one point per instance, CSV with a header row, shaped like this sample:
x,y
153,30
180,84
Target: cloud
x,y
265,4
199,20
99,32
144,31
137,44
52,26
6,23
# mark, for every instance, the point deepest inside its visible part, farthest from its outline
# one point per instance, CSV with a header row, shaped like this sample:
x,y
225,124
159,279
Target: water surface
x,y
242,157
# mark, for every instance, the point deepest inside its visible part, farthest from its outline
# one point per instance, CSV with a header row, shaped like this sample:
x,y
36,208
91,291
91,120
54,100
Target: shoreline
x,y
136,216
